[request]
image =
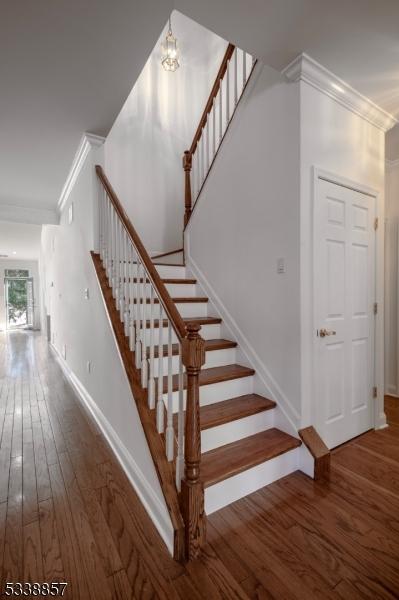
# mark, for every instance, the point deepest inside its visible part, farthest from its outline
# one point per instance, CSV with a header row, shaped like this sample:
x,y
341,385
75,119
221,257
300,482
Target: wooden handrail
x,y
169,306
214,92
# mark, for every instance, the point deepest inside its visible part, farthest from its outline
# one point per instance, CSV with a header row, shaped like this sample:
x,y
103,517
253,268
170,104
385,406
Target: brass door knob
x,y
325,332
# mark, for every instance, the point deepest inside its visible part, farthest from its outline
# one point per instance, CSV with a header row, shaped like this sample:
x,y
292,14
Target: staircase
x,y
212,433
241,449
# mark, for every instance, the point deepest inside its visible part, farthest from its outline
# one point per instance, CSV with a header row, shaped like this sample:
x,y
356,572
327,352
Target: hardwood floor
x,y
68,513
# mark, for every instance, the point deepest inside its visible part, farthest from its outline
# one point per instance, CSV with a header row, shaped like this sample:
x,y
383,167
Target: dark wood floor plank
x,y
33,555
53,569
90,552
13,544
41,468
72,559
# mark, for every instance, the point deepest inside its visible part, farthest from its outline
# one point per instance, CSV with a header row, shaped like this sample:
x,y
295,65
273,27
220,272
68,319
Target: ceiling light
x,y
170,52
14,252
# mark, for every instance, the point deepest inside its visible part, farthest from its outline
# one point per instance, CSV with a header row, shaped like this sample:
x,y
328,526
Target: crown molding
x,y
31,216
305,68
88,141
392,164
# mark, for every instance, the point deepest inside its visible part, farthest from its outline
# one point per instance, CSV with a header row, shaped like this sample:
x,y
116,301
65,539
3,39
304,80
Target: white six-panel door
x,y
344,296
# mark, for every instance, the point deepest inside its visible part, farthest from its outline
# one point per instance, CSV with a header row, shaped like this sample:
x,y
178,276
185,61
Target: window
x,y
17,273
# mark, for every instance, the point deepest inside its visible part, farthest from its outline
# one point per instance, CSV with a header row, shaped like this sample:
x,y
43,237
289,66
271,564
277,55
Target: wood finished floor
x,y
67,512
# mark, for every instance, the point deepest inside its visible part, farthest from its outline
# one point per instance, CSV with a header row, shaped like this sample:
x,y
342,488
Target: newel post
x,y
187,165
192,490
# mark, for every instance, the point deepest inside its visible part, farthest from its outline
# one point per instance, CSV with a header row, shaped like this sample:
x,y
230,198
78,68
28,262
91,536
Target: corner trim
x,y
305,68
125,459
88,141
319,451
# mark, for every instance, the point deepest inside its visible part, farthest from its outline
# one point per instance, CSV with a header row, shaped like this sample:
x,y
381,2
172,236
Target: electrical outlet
x,y
87,295
280,266
88,366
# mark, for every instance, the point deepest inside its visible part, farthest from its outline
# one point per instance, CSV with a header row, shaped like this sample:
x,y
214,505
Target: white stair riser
x,y
180,290
171,272
236,430
176,290
186,309
216,392
208,332
214,358
236,487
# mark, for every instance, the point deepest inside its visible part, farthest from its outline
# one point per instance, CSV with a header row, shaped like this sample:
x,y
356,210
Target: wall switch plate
x,y
70,214
88,366
87,295
280,266
64,351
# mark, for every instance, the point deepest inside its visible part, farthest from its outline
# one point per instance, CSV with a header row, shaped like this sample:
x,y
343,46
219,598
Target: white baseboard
x,y
272,389
153,506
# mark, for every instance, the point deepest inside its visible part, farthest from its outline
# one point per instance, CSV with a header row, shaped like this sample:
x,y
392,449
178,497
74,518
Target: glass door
x,y
16,302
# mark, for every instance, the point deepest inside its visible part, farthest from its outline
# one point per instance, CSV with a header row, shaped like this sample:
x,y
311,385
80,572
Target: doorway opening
x,y
19,299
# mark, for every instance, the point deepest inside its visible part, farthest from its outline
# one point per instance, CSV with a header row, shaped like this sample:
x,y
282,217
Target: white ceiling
x,y
20,241
68,66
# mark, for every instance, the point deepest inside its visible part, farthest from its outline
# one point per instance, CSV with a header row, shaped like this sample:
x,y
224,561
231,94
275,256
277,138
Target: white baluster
x,y
109,250
144,364
221,111
207,147
197,154
180,427
214,128
122,273
100,222
235,78
126,291
131,298
160,404
151,380
244,68
227,93
113,276
137,308
169,428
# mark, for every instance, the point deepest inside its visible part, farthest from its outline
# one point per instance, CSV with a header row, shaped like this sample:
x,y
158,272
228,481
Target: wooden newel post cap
x,y
187,160
193,348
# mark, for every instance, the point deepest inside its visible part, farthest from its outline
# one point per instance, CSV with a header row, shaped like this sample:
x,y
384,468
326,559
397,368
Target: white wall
x,y
81,327
256,207
339,141
33,268
144,149
248,217
392,278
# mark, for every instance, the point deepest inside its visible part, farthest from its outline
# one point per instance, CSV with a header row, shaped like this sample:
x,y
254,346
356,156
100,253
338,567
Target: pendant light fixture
x,y
170,51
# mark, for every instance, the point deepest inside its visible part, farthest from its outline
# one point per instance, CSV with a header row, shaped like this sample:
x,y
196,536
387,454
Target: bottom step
x,y
240,468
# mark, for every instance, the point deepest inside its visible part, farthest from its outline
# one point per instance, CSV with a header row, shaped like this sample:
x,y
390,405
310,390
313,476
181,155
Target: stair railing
x,y
147,312
226,92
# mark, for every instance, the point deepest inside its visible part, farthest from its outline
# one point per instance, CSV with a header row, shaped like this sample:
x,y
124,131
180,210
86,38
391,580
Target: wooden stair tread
x,y
230,410
210,345
199,320
233,409
234,458
166,280
178,300
211,375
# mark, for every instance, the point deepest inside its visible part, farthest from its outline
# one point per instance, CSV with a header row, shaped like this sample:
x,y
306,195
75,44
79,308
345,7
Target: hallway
x,y
68,513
